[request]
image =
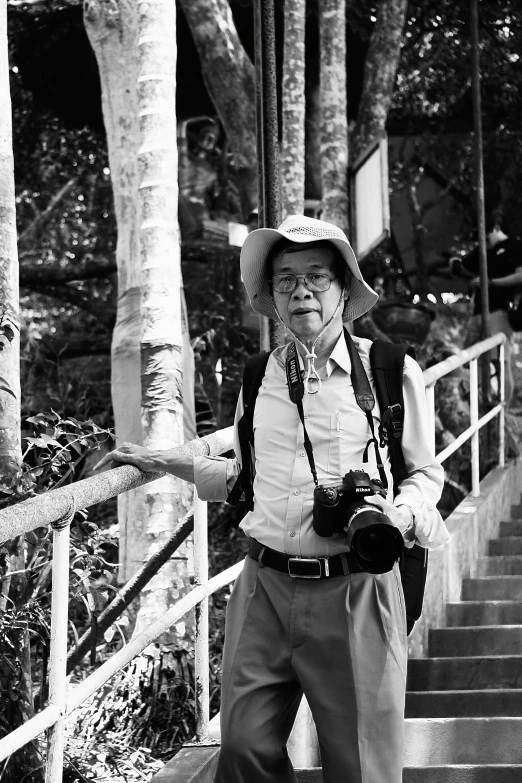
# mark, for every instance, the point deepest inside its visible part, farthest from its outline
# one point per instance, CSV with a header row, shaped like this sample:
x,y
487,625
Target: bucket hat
x,y
300,229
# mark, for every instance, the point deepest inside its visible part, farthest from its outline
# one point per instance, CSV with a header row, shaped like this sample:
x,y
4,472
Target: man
x,y
339,638
504,263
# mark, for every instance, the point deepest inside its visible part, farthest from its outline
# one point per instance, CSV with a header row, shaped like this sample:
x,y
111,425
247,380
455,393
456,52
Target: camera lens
x,y
375,542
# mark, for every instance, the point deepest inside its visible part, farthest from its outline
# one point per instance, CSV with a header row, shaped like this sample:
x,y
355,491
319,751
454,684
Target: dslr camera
x,y
373,539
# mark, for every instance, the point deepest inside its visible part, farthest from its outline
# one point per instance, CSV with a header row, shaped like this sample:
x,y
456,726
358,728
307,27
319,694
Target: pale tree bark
x,y
293,111
26,762
230,79
167,499
380,69
334,123
112,29
10,454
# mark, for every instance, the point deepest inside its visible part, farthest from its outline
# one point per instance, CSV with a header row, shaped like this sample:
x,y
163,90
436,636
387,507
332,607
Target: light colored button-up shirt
x,y
339,431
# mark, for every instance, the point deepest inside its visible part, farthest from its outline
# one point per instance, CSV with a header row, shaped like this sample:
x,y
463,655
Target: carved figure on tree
x,y
199,164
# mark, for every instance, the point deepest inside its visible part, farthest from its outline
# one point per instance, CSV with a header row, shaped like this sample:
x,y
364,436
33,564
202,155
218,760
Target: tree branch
x,y
103,312
32,275
43,216
131,591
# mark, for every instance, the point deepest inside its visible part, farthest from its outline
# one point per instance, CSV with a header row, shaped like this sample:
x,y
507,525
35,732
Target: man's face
x,y
303,311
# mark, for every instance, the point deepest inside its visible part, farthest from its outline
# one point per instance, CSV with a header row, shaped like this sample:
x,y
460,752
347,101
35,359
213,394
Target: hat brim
x,y
254,255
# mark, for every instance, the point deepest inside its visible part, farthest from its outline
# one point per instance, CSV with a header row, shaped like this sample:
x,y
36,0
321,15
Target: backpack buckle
x,y
391,424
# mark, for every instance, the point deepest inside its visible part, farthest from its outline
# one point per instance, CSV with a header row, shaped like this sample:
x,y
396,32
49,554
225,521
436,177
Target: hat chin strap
x,y
312,381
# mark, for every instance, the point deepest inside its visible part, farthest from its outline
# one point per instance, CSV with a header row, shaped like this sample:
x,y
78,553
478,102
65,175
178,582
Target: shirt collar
x,y
340,356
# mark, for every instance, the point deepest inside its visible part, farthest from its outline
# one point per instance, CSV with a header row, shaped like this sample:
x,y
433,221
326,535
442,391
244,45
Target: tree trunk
x,y
334,126
112,29
10,454
229,76
380,69
161,338
293,113
25,763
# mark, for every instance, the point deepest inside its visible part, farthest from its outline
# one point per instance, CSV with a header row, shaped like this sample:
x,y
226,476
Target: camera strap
x,y
363,395
296,391
365,400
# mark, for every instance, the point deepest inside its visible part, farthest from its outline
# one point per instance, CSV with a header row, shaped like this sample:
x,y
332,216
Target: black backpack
x,y
387,362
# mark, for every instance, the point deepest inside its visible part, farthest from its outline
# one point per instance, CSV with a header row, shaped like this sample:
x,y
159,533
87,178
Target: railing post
x,y
473,411
502,414
201,647
430,401
58,651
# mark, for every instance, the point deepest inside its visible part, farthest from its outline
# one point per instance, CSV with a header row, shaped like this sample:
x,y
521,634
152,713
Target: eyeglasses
x,y
285,284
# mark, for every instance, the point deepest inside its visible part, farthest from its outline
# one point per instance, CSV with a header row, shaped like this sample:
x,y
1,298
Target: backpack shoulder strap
x,y
253,375
387,362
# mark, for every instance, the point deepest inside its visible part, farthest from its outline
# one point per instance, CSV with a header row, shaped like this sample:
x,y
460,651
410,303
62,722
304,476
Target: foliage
x,y
54,450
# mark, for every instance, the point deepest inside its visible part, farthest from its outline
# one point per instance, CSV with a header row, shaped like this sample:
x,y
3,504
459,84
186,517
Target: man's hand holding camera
x,y
401,516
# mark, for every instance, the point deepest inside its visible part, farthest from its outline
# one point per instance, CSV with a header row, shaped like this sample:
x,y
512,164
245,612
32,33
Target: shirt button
x,y
302,454
296,491
292,533
306,415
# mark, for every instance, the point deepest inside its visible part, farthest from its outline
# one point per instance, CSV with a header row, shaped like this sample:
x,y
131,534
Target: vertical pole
x,y
58,652
267,127
474,416
479,191
502,414
430,401
201,647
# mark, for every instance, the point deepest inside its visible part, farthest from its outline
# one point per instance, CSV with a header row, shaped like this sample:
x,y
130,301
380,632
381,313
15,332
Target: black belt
x,y
304,567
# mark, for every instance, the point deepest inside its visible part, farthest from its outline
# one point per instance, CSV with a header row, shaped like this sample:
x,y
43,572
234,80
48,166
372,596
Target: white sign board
x,y
370,201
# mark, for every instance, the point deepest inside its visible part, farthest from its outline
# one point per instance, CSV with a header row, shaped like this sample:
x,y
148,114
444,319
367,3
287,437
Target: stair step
x,y
477,741
512,528
500,565
450,773
464,613
458,773
492,588
467,673
476,640
516,512
464,704
510,545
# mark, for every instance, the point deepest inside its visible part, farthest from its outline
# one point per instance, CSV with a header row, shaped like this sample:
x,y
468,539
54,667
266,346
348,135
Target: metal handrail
x,y
59,504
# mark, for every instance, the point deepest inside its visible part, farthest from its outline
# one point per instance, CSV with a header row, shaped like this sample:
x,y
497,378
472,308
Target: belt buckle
x,y
308,560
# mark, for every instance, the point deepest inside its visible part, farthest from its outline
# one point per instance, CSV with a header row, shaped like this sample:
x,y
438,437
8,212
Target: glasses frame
x,y
306,283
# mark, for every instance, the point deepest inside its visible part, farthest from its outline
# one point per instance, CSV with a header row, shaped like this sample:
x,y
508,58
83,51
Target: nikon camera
x,y
373,539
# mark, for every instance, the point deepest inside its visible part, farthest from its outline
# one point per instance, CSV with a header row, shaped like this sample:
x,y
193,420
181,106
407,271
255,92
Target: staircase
x,y
464,702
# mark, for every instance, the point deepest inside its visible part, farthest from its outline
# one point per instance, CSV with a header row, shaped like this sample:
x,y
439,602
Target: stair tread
x,y
500,691
476,627
487,657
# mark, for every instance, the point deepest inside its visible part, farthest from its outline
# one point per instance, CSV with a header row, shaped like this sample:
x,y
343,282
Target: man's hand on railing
x,y
173,461
130,454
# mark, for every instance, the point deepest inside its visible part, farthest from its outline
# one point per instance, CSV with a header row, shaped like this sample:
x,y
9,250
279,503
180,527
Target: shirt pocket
x,y
349,434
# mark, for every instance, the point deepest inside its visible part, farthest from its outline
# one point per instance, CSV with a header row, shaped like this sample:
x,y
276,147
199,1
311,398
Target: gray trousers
x,y
342,642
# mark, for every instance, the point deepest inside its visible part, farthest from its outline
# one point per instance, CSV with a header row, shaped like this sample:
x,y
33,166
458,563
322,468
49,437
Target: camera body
x,y
334,505
371,536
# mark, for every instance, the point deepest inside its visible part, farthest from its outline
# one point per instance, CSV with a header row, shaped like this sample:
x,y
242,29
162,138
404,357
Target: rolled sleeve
x,y
214,477
422,488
